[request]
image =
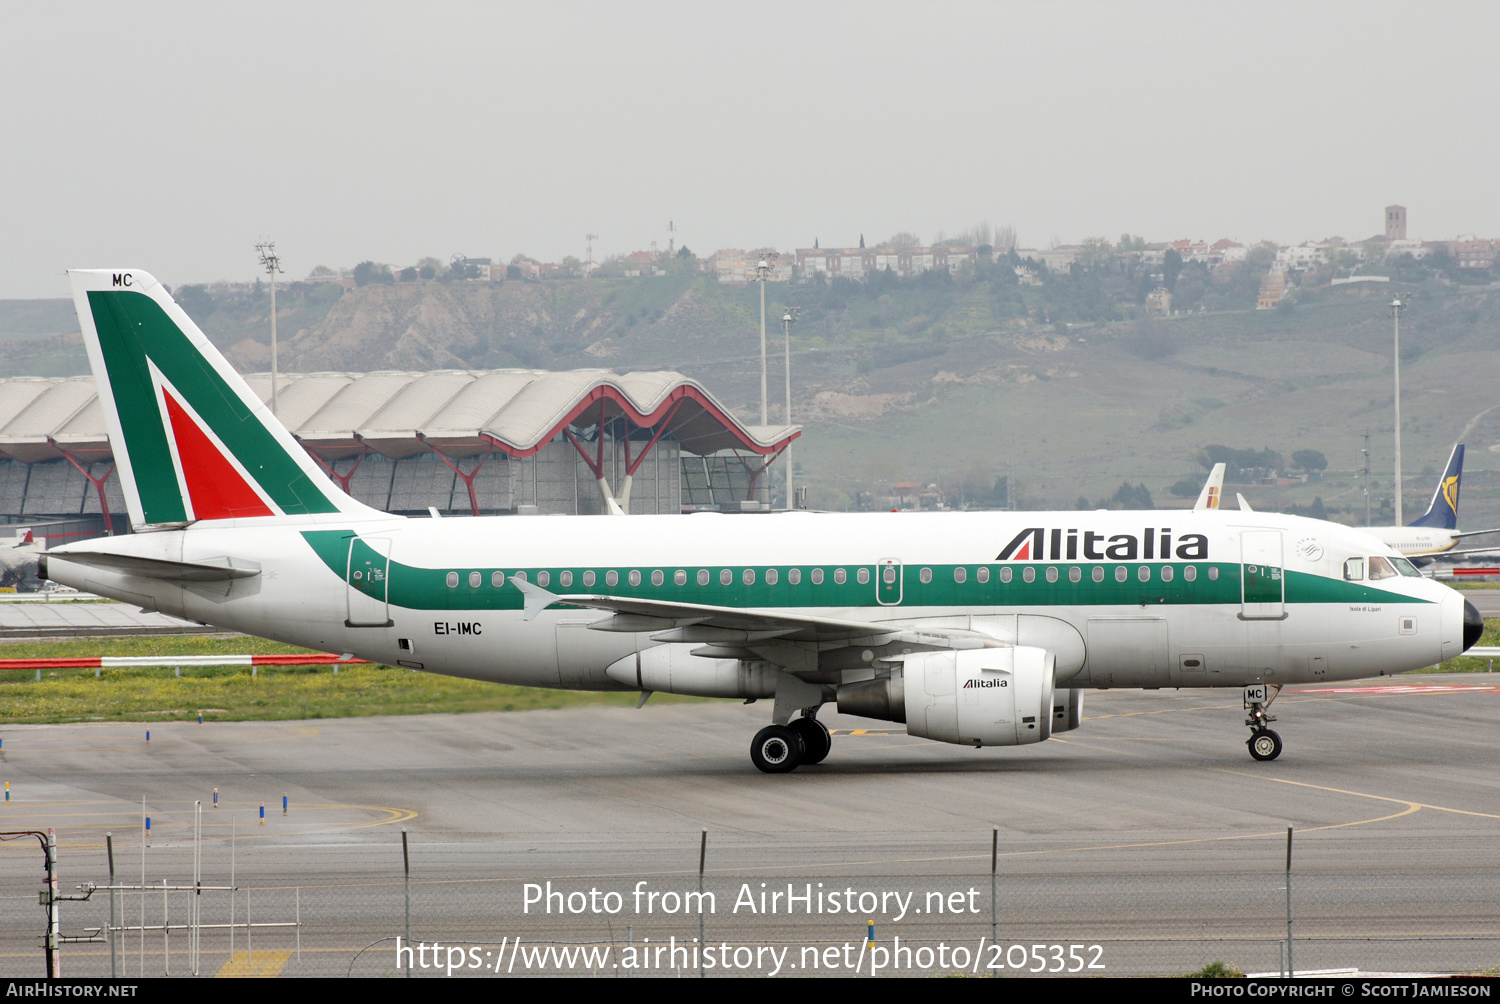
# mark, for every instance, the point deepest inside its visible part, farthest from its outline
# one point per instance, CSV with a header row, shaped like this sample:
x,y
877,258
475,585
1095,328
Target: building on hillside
x,y
737,268
1225,250
1395,223
465,443
1159,302
1472,253
1272,288
859,263
1417,249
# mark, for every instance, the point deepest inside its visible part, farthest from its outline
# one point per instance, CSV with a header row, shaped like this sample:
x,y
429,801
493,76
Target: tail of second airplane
x,y
1442,513
191,440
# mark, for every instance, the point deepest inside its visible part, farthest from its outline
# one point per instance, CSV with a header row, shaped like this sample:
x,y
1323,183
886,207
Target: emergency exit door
x,y
366,582
888,582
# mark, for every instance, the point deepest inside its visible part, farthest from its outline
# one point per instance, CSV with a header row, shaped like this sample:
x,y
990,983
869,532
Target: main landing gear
x,y
778,749
1264,744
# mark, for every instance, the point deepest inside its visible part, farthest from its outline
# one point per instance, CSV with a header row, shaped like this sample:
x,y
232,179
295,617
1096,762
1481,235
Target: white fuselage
x,y
1145,621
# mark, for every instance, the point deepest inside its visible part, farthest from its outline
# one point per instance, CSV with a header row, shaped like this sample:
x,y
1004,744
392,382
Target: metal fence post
x,y
994,885
702,939
1290,969
406,863
109,849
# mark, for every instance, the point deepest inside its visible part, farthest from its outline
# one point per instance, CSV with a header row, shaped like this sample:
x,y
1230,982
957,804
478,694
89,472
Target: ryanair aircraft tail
x,y
1442,514
191,440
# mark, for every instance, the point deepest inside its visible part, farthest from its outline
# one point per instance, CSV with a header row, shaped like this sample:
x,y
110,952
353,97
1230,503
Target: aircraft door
x,y
365,580
1263,580
888,582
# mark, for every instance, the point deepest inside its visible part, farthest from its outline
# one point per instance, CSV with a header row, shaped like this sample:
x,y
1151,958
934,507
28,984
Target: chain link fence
x,y
604,908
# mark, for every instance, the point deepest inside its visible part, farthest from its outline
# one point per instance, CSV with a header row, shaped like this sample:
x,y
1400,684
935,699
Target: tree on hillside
x,y
1311,461
197,301
903,240
1171,268
407,274
684,253
322,272
367,273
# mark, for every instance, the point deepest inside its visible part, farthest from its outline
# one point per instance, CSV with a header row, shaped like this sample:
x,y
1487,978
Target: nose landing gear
x,y
1264,744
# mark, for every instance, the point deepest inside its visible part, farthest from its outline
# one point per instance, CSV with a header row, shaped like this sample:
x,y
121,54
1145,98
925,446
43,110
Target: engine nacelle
x,y
673,669
976,697
1067,709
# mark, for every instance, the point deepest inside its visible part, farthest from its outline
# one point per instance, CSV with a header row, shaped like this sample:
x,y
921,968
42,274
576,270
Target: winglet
x,y
537,598
1244,506
1208,498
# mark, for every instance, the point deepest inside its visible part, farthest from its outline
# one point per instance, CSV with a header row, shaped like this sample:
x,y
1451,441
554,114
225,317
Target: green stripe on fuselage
x,y
427,588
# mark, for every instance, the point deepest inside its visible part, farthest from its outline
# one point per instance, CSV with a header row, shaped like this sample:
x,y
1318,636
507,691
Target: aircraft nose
x,y
1473,625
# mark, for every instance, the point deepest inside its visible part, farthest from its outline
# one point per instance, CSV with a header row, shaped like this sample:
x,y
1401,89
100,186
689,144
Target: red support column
x,y
468,479
342,479
98,483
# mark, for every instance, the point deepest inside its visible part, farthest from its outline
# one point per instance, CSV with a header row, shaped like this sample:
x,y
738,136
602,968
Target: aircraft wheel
x,y
776,749
816,742
1265,745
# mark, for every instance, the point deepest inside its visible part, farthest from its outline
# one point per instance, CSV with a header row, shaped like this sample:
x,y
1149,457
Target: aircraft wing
x,y
1474,533
695,622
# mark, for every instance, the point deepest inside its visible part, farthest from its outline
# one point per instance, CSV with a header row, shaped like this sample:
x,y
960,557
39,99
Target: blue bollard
x,y
216,798
283,805
263,813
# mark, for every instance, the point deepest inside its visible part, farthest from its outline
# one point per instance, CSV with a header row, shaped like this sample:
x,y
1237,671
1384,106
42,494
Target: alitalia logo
x,y
973,684
1036,543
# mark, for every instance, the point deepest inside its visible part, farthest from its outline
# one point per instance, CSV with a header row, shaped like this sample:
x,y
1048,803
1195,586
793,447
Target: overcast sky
x,y
170,137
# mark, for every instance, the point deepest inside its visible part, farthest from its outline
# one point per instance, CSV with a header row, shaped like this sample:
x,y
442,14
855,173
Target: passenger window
x,y
771,576
1121,573
611,578
1354,570
924,576
519,575
749,577
1190,573
1052,573
817,576
452,580
565,578
543,579
983,574
794,576
635,578
1166,573
1144,573
863,575
497,579
475,579
1380,568
1029,574
1213,573
1075,574
1098,573
726,577
702,576
840,576
657,578
680,577
960,574
1005,574
588,578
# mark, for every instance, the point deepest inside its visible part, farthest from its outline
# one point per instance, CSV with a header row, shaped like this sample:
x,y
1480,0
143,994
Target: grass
x,y
231,693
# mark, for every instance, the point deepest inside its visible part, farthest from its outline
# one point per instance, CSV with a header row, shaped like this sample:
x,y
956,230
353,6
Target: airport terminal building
x,y
461,442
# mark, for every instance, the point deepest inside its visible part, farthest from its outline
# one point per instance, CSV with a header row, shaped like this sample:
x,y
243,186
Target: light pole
x,y
786,328
762,270
1396,306
268,258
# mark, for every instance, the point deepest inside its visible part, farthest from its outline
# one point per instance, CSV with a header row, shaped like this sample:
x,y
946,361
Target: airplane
x,y
974,628
1436,530
20,557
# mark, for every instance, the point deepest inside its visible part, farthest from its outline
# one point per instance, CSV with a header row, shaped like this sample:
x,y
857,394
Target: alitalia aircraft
x,y
982,629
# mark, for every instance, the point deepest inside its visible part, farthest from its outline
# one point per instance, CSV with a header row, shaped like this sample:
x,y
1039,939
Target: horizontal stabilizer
x,y
207,570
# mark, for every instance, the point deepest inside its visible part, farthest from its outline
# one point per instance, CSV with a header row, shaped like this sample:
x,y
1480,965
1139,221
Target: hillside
x,y
938,380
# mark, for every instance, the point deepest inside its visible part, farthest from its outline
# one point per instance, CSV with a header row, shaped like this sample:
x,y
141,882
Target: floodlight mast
x,y
762,270
786,327
1397,305
272,264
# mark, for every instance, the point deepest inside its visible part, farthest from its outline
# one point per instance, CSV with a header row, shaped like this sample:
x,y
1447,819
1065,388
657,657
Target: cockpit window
x,y
1380,568
1354,569
1406,568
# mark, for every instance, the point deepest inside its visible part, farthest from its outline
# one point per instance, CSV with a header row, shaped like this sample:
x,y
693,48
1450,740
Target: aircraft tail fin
x,y
1213,489
191,440
1442,513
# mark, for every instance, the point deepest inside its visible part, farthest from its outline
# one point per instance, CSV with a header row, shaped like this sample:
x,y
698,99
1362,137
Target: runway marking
x,y
162,733
1398,689
270,964
1414,806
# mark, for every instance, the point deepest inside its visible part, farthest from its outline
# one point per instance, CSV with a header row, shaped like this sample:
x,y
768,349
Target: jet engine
x,y
975,697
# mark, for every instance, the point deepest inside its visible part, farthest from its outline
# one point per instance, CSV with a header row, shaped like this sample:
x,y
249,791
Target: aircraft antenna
x,y
272,264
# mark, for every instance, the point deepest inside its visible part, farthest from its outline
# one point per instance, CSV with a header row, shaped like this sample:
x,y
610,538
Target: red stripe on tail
x,y
217,490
